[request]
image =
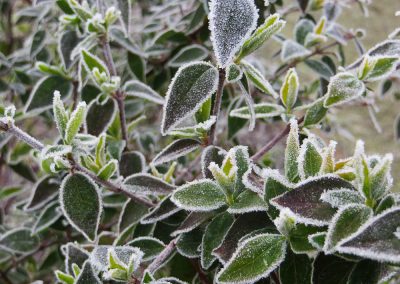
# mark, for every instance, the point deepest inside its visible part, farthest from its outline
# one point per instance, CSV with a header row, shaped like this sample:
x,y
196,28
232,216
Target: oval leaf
x,y
175,150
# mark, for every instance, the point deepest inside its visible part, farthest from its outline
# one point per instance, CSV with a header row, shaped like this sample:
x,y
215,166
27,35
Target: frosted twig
x,y
162,257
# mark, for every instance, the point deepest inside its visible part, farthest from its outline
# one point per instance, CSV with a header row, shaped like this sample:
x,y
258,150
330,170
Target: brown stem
x,y
75,94
257,156
217,105
14,130
162,257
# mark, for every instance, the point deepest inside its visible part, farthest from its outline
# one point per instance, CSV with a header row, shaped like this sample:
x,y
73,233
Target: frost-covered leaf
x,y
41,97
345,222
75,122
138,89
151,247
211,154
38,42
74,254
43,191
131,163
137,65
132,212
255,76
292,152
377,68
310,159
176,149
298,238
293,50
99,257
254,259
67,42
91,62
187,244
88,275
81,204
304,200
247,201
290,89
330,269
188,54
244,225
302,28
231,23
99,116
342,197
125,7
272,25
321,68
201,195
315,113
380,177
233,73
49,215
262,110
387,202
192,85
147,184
295,269
60,114
275,185
240,159
19,240
192,221
342,88
317,240
376,239
162,211
213,236
108,170
367,272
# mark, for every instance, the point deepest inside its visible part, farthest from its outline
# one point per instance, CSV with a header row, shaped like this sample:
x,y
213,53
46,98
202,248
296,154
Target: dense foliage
x,y
150,126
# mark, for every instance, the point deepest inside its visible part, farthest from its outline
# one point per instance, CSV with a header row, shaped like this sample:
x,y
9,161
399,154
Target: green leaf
x,y
147,184
211,154
64,278
187,243
19,241
151,247
81,204
41,97
176,149
88,275
162,211
366,272
330,269
91,61
315,113
292,152
272,25
262,110
343,87
275,185
131,163
138,89
66,43
190,53
290,89
200,195
255,258
380,178
108,170
60,114
213,236
346,221
258,79
310,159
43,191
304,200
137,65
295,269
378,239
38,42
74,254
132,212
342,197
99,116
299,238
193,221
75,122
233,73
321,68
302,28
191,86
292,50
247,201
231,23
317,240
49,215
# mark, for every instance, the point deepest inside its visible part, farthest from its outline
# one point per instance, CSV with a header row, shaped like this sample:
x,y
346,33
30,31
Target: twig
x,y
162,257
217,105
75,94
257,156
118,95
14,130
